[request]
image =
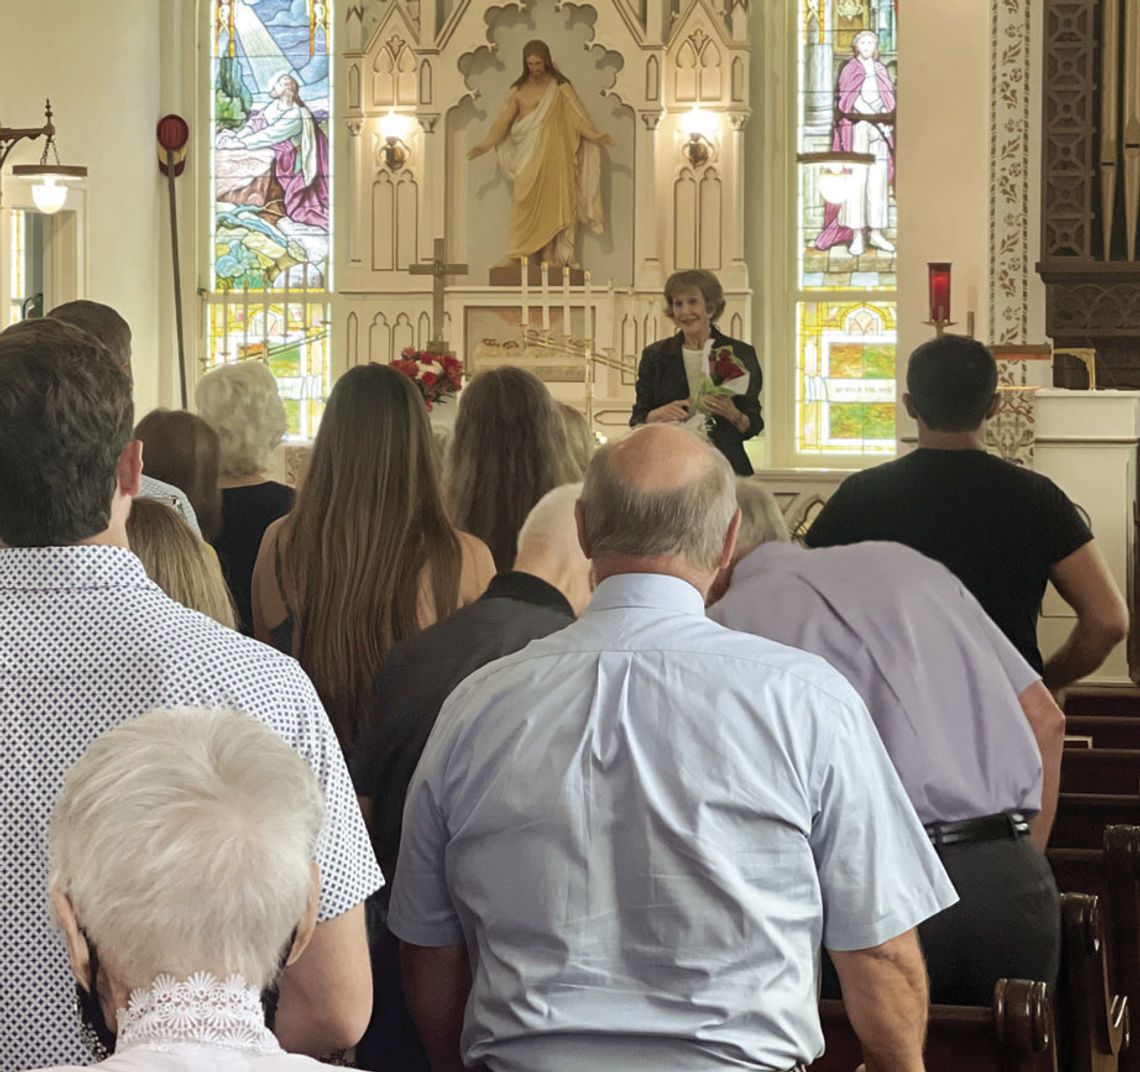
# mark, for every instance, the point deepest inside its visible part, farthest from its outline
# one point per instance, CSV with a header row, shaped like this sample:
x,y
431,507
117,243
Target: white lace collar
x,y
201,1010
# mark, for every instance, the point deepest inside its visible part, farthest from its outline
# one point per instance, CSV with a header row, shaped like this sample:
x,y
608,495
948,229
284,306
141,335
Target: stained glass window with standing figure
x,y
270,196
847,228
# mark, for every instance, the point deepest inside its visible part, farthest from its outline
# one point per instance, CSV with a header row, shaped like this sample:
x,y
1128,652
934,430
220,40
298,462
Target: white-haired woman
x,y
242,404
183,880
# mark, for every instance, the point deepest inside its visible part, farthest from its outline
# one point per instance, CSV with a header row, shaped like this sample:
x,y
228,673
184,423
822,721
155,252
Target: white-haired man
x,y
625,844
183,878
973,733
548,586
90,641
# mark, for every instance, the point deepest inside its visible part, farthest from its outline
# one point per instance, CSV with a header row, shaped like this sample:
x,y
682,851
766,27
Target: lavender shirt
x,y
940,679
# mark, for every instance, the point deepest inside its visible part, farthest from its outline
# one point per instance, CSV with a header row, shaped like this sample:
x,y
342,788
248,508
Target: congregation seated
x,y
549,585
368,557
624,844
183,879
91,642
182,565
1003,530
243,406
509,449
181,448
106,325
973,733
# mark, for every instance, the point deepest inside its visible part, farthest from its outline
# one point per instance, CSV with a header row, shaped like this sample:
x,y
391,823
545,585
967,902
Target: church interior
x,y
464,187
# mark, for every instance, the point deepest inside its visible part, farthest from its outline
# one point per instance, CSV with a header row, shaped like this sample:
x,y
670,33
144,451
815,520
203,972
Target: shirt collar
x,y
647,591
775,556
527,588
79,566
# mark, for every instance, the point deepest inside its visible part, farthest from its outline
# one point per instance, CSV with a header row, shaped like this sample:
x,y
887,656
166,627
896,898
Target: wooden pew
x,y
1106,731
1082,817
1101,771
1103,701
1015,1035
1092,1019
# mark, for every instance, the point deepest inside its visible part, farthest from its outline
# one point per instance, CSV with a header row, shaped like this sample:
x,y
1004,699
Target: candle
x,y
587,315
523,275
545,296
566,300
939,274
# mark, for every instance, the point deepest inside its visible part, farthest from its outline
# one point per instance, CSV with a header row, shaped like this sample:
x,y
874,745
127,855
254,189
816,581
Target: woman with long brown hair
x,y
368,555
180,448
509,449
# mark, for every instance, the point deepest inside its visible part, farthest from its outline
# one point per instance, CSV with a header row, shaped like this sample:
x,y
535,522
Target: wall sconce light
x,y
836,171
394,129
49,194
700,126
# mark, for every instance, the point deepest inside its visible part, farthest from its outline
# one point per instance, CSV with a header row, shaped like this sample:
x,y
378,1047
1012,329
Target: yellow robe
x,y
556,175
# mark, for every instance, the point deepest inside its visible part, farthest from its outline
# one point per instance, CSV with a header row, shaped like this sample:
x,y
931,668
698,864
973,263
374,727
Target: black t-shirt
x,y
246,514
998,527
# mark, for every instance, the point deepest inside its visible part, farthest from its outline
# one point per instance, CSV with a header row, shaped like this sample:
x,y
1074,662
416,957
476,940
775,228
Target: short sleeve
x,y
1062,529
879,875
836,523
349,871
421,910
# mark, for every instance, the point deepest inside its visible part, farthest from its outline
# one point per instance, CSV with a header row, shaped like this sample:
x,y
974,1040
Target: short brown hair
x,y
100,321
181,448
696,279
65,418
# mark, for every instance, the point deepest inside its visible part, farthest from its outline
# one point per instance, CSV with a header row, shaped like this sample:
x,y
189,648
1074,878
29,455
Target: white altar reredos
x,y
640,70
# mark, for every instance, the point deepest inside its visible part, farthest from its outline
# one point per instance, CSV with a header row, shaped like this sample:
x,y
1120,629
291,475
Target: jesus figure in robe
x,y
550,152
300,150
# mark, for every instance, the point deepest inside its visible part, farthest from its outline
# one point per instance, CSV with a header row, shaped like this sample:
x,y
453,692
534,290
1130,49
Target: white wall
x,y
99,62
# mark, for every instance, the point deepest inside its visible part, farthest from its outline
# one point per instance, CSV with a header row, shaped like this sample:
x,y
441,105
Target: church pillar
x,y
657,19
356,182
737,273
429,26
646,224
433,152
820,53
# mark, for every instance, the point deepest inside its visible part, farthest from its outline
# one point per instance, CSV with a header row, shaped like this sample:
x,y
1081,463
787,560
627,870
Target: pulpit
x,y
1087,442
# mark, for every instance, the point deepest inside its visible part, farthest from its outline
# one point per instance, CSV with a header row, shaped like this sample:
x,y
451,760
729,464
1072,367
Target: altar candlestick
x,y
939,277
566,300
545,296
523,273
587,331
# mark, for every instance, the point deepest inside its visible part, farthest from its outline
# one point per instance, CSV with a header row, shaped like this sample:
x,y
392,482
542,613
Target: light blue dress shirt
x,y
642,827
940,679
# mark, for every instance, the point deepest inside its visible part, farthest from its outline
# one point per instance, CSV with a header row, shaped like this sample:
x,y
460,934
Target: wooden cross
x,y
438,269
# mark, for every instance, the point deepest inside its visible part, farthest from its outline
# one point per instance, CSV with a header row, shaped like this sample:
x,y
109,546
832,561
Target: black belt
x,y
1006,824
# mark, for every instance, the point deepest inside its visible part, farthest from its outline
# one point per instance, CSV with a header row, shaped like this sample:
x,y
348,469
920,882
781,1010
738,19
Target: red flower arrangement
x,y
724,365
435,375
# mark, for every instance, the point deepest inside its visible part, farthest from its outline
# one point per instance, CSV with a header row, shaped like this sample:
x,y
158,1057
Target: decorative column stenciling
x,y
1010,431
1011,65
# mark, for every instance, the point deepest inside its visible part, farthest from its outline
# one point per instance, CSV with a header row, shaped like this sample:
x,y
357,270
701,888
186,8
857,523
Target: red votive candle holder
x,y
939,274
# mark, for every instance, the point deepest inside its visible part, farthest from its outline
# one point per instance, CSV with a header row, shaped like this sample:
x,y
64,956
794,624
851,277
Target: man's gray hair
x,y
761,520
241,401
184,840
689,522
550,525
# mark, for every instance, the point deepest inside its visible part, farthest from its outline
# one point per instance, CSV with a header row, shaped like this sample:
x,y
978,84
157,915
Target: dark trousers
x,y
1006,924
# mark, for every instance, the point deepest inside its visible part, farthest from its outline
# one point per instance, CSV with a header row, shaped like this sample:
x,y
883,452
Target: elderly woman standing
x,y
671,372
183,880
242,404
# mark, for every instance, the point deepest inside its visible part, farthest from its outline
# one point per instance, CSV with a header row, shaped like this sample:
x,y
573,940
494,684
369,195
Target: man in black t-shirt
x,y
1002,529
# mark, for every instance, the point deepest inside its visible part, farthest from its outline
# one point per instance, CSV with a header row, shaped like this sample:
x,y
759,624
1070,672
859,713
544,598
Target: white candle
x,y
566,300
587,315
545,296
523,275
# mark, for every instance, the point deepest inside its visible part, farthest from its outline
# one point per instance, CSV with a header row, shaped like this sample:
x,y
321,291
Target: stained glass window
x,y
270,204
847,228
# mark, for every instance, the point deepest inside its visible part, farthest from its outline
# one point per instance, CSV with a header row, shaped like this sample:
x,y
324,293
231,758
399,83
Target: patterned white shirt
x,y
88,641
152,488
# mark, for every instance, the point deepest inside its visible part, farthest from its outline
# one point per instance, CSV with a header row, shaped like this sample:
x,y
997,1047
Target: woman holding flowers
x,y
700,377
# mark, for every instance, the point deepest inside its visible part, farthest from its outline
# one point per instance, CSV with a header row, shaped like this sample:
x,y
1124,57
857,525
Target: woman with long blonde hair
x,y
368,555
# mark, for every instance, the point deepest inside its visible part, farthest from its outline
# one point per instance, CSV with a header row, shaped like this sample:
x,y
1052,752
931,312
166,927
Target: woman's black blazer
x,y
661,379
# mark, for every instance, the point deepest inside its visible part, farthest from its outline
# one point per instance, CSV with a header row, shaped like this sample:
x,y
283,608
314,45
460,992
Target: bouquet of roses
x,y
435,375
726,376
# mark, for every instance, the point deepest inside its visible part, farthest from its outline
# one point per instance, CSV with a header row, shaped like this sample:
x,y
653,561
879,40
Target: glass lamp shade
x,y
834,186
394,126
49,195
698,121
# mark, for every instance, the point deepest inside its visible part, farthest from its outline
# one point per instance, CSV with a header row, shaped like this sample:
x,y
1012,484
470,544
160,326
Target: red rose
x,y
724,366
428,379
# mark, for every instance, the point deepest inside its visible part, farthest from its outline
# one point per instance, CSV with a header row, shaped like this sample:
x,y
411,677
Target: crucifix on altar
x,y
438,269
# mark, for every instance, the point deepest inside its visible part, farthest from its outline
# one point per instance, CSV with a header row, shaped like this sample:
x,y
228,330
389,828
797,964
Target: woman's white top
x,y
199,1024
